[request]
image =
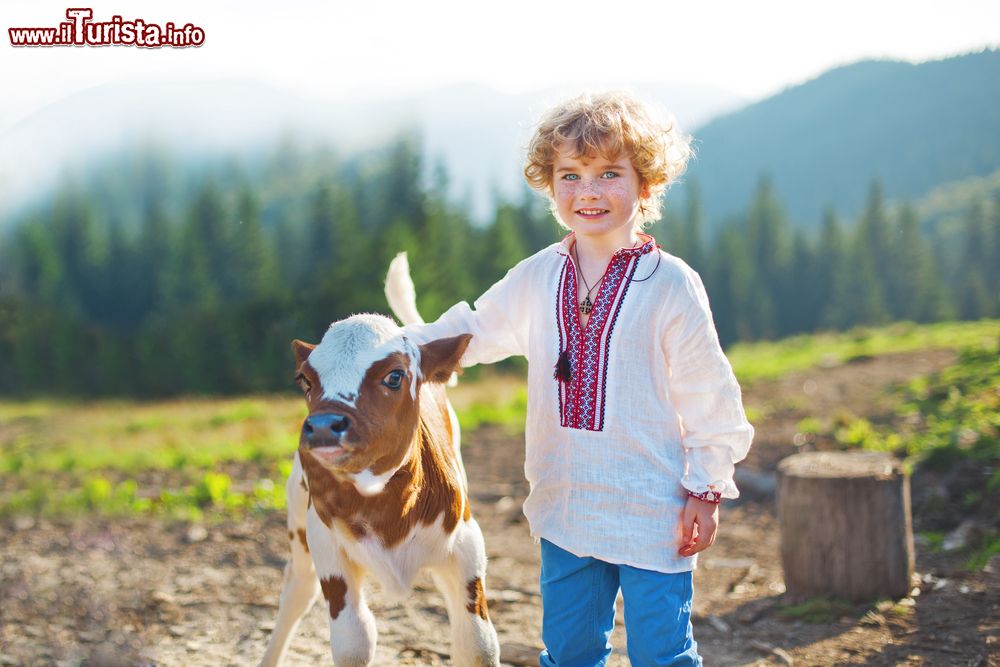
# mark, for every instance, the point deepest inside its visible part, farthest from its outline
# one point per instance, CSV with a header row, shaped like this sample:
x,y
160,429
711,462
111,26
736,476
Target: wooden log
x,y
846,528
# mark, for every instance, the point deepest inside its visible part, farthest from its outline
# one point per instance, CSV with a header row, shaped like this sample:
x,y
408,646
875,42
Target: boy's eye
x,y
610,174
571,177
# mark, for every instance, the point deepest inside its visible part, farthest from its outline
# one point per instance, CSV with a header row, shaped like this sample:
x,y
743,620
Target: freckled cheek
x,y
616,190
564,197
565,191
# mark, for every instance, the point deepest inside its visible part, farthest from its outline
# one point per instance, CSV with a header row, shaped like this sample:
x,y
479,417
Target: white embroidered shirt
x,y
650,411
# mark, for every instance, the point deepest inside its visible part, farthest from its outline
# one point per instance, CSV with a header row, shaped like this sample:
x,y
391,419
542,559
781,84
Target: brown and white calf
x,y
378,489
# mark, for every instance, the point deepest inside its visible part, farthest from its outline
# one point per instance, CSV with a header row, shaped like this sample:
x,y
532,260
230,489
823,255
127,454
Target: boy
x,y
634,417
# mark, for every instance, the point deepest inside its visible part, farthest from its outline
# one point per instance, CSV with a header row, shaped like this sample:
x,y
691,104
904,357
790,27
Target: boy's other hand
x,y
700,522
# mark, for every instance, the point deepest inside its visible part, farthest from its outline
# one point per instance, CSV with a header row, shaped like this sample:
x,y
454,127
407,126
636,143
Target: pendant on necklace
x,y
586,306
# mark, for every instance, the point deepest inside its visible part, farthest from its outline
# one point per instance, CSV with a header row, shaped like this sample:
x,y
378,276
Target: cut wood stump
x,y
846,529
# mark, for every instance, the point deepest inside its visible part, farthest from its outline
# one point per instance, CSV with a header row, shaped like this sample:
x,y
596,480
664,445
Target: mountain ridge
x,y
823,141
820,142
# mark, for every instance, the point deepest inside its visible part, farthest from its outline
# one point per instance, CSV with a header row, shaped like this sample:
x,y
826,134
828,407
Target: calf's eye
x,y
304,385
394,380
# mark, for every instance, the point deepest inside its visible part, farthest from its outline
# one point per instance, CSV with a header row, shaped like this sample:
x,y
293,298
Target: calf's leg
x,y
301,587
462,580
352,625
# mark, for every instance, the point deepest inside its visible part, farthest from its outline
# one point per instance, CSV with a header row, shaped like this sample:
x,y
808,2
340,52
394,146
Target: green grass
x,y
510,413
989,546
212,495
772,359
828,609
63,457
817,610
957,410
46,436
809,426
755,361
941,419
934,540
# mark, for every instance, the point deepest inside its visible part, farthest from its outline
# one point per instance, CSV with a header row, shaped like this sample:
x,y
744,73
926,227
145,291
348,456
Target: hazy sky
x,y
336,48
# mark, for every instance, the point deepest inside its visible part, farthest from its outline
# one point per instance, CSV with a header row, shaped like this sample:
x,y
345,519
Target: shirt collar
x,y
646,244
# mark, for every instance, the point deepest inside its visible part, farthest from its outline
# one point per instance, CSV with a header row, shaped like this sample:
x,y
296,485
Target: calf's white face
x,y
350,347
362,386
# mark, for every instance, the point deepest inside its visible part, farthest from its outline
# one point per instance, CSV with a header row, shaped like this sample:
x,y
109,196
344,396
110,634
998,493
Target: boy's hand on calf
x,y
700,522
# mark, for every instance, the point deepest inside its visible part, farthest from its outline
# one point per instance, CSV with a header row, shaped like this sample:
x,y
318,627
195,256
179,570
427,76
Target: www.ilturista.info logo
x,y
80,30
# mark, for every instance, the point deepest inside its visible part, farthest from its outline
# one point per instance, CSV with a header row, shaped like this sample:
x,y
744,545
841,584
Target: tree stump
x,y
846,529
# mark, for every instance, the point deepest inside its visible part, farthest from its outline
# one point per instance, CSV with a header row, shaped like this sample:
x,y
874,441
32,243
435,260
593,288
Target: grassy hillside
x,y
946,203
771,359
223,457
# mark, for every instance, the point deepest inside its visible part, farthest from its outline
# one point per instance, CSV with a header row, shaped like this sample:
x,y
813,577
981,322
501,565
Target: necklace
x,y
642,280
586,305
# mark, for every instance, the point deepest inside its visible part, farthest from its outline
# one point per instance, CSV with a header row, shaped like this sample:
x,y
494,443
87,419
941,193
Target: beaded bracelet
x,y
708,496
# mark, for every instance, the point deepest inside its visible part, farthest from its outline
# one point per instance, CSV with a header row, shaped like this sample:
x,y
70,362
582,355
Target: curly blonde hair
x,y
611,124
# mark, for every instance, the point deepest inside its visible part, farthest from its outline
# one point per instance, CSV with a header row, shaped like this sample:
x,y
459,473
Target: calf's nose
x,y
325,426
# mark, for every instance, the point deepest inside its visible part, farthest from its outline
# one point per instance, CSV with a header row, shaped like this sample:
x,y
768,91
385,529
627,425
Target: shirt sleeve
x,y
496,331
703,389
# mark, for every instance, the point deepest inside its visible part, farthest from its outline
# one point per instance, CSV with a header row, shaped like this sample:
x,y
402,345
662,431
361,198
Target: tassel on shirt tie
x,y
563,370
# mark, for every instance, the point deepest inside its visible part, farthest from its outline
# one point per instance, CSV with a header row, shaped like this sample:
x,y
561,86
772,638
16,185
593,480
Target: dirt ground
x,y
142,592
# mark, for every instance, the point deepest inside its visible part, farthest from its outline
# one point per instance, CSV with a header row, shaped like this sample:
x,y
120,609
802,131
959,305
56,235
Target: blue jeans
x,y
578,612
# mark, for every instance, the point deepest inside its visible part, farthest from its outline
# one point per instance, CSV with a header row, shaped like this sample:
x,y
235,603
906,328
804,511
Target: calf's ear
x,y
439,358
301,351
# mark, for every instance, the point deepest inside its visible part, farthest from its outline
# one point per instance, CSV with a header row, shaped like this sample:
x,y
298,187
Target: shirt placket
x,y
585,402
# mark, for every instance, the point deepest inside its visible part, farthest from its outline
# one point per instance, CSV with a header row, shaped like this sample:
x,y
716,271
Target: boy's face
x,y
597,196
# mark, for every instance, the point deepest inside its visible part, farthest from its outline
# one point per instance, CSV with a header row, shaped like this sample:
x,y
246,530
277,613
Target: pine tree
x,y
320,239
445,250
770,249
872,251
155,249
394,185
875,222
832,294
728,282
993,266
693,223
36,268
252,265
975,298
535,223
81,243
37,277
503,245
356,278
191,271
802,308
913,285
669,231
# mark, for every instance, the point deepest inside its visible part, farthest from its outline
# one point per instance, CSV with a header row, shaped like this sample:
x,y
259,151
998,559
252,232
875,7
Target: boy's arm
x,y
495,325
715,431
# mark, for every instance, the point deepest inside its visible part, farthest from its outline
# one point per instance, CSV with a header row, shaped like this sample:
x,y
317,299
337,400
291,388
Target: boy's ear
x,y
439,358
301,351
644,190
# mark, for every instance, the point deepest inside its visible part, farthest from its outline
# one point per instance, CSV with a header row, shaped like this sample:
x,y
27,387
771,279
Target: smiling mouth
x,y
591,212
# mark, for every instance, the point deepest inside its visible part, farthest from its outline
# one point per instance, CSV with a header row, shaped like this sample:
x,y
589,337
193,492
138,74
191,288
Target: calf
x,y
378,489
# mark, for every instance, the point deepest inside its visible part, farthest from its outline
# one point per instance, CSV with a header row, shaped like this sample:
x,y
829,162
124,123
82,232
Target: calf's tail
x,y
400,292
402,296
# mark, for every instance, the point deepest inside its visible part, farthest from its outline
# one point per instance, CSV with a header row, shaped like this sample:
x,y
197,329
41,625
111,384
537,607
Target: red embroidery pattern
x,y
582,399
707,496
